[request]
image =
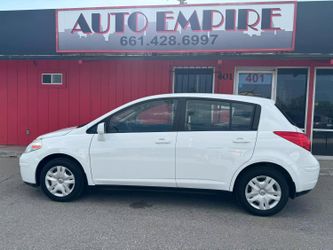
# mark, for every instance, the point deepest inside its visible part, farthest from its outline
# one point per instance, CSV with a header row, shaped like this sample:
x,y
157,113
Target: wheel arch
x,y
48,158
282,170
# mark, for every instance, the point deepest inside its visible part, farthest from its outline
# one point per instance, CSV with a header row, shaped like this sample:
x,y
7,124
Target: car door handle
x,y
240,140
162,141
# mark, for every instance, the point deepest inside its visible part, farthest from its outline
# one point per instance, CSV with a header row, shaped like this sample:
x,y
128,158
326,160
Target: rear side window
x,y
212,115
242,116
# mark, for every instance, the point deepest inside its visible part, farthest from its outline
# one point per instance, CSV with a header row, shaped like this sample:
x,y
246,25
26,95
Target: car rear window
x,y
215,115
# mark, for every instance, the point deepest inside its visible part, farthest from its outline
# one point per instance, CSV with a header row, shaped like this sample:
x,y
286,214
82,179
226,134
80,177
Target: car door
x,y
138,147
217,138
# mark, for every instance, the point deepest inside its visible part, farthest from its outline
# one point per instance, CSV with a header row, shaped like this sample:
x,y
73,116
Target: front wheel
x,y
62,180
262,191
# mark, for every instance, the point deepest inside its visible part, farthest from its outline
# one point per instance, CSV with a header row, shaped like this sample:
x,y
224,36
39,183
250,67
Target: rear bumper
x,y
308,177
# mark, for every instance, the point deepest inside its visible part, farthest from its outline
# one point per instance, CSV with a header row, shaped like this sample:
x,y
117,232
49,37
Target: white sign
x,y
249,27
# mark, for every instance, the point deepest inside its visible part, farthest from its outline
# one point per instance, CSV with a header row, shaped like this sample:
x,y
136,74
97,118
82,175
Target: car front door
x,y
218,137
138,147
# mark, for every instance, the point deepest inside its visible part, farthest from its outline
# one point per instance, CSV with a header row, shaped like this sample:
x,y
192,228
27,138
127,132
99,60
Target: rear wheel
x,y
262,191
62,180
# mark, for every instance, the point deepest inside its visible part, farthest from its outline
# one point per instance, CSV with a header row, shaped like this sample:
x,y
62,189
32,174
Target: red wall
x,y
90,89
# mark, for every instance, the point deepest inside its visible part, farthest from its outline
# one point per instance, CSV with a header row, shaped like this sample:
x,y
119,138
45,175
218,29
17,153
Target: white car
x,y
240,144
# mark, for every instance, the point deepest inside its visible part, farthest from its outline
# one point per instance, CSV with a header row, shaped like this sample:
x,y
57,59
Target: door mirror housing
x,y
101,128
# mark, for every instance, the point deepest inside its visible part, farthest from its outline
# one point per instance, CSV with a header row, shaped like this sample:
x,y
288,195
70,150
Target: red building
x,y
61,68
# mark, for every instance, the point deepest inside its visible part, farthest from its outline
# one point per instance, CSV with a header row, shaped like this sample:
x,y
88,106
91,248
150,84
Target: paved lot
x,y
151,220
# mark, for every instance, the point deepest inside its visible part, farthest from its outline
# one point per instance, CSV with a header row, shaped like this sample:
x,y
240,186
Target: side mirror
x,y
101,129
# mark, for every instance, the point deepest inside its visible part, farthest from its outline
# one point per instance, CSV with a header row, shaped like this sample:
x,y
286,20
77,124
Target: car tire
x,y
262,191
62,180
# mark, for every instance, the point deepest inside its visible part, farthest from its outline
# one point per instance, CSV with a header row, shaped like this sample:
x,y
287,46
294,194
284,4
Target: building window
x,y
52,78
323,113
193,80
291,88
255,83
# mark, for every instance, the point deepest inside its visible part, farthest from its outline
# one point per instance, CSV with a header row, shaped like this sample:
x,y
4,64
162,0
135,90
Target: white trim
x,y
192,67
213,87
173,79
307,103
52,74
313,103
323,130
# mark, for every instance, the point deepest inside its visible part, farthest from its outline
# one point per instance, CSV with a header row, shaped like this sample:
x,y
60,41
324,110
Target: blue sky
x,y
53,4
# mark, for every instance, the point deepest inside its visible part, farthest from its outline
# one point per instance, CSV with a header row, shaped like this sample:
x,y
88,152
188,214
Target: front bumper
x,y
28,167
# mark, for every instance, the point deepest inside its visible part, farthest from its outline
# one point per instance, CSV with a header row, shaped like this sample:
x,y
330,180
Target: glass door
x,y
323,114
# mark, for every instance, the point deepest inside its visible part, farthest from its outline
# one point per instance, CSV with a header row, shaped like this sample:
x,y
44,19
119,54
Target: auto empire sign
x,y
248,27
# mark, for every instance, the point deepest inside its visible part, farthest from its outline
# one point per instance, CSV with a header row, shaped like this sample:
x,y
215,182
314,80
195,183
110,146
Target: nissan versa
x,y
240,144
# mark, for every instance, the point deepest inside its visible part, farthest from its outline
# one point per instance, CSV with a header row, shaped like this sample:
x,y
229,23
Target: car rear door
x,y
217,137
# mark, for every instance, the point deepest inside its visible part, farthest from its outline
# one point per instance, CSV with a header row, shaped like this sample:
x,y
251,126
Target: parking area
x,y
129,219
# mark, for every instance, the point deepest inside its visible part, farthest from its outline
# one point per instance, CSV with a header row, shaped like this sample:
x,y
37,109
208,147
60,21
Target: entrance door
x,y
193,80
323,114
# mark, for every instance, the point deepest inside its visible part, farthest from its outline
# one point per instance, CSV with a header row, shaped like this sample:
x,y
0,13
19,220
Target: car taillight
x,y
298,138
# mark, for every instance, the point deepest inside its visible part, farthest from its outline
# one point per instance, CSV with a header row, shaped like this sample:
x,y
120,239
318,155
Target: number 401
x,y
254,77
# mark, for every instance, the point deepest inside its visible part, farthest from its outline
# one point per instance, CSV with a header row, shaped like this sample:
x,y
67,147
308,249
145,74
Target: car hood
x,y
57,133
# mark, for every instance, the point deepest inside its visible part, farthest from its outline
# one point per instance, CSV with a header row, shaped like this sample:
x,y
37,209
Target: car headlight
x,y
35,145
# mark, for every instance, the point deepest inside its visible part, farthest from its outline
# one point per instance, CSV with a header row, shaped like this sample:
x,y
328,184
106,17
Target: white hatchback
x,y
240,144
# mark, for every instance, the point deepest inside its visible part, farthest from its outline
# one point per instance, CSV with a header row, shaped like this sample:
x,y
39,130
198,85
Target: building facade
x,y
61,68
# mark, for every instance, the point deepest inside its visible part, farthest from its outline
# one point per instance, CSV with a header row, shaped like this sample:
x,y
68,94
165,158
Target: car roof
x,y
242,98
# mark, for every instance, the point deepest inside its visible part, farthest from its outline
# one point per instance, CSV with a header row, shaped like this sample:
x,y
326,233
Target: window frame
x,y
257,71
93,129
52,74
255,117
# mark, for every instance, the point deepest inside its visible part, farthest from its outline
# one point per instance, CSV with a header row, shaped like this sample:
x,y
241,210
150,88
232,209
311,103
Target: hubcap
x,y
263,192
60,181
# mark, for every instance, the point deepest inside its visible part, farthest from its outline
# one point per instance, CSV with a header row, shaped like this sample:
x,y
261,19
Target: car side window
x,y
201,115
150,116
242,116
213,115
